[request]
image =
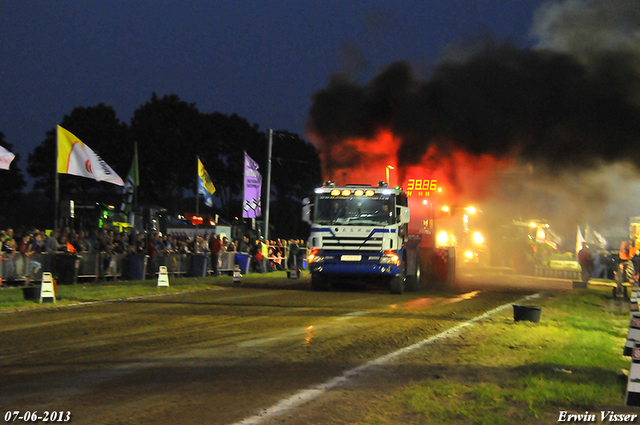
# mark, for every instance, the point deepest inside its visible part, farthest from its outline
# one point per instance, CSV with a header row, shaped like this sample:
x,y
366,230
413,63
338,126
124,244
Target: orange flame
x,y
460,177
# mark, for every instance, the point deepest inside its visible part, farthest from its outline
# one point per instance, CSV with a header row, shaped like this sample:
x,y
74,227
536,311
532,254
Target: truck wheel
x,y
319,283
397,283
413,281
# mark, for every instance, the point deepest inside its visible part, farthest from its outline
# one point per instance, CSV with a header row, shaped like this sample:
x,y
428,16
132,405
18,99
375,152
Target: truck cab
x,y
359,234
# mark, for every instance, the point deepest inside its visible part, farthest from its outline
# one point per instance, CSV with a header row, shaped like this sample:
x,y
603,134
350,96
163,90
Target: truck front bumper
x,y
348,269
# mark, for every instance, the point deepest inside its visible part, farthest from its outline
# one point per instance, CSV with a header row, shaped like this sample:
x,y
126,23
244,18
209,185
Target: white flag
x,y
74,157
5,158
579,241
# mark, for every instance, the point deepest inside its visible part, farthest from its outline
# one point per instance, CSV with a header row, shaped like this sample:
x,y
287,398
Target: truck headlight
x,y
315,257
390,257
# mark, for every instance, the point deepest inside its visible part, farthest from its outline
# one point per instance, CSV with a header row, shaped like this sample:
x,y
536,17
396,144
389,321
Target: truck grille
x,y
346,243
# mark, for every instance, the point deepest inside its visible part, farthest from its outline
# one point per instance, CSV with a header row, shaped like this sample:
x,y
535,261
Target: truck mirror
x,y
307,210
403,214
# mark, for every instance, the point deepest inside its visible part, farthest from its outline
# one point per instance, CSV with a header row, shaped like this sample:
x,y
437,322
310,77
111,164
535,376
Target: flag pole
x,y
244,186
136,183
195,236
57,188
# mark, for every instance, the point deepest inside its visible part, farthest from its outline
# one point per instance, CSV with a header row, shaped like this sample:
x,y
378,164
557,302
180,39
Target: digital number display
x,y
422,184
421,187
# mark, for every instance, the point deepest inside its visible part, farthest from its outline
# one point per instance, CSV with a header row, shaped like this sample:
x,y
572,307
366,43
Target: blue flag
x,y
205,185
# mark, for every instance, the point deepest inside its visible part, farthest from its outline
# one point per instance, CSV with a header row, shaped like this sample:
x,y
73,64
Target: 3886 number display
x,y
422,184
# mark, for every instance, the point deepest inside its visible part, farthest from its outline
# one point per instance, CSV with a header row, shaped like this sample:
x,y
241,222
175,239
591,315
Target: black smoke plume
x,y
567,110
543,106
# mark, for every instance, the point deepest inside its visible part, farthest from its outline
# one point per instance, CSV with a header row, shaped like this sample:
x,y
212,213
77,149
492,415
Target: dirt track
x,y
219,356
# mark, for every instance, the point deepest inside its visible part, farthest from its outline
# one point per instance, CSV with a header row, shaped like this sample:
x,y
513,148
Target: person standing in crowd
x,y
215,246
302,253
243,245
119,246
265,254
256,257
625,270
20,256
8,251
585,259
152,253
83,243
39,241
292,260
231,247
225,244
51,244
170,245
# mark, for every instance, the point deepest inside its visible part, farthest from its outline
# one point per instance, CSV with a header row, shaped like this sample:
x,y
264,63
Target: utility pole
x,y
266,215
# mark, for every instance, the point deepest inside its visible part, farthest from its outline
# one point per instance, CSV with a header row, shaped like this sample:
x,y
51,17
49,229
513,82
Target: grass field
x,y
524,372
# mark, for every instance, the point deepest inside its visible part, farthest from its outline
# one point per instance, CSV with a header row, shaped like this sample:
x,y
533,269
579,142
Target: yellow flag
x,y
205,185
74,157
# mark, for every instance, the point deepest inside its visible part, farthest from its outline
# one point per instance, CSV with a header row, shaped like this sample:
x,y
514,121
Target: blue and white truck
x,y
359,234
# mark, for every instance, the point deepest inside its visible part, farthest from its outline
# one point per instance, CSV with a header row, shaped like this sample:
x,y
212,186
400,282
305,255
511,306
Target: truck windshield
x,y
361,210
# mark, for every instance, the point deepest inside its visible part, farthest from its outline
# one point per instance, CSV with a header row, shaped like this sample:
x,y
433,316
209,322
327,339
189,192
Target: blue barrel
x,y
199,265
242,260
137,267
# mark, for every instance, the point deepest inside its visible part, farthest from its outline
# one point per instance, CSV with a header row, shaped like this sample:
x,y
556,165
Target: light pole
x,y
266,216
389,167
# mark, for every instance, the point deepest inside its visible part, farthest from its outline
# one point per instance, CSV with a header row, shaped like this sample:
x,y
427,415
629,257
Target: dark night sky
x,y
262,60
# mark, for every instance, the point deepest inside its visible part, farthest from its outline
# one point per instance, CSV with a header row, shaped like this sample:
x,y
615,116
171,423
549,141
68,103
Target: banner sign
x,y
252,206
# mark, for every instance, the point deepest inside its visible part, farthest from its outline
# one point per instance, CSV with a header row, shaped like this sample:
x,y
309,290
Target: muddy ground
x,y
224,356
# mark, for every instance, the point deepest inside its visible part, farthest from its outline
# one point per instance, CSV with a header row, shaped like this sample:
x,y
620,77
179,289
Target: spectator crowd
x,y
18,249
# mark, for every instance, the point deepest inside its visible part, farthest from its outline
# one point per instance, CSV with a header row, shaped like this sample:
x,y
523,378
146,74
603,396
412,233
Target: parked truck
x,y
359,233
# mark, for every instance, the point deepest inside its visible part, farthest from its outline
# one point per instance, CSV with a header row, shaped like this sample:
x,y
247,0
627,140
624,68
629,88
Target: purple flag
x,y
252,207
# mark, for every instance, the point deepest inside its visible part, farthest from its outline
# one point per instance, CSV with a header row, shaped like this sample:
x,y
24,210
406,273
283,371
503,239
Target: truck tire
x,y
413,281
398,283
319,283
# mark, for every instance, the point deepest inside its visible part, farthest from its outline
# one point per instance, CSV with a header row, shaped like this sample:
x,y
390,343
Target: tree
x,y
295,172
10,189
228,138
171,134
168,131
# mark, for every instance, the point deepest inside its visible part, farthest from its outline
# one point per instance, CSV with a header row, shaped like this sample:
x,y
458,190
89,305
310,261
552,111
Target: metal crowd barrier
x,y
226,262
16,268
557,273
177,265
